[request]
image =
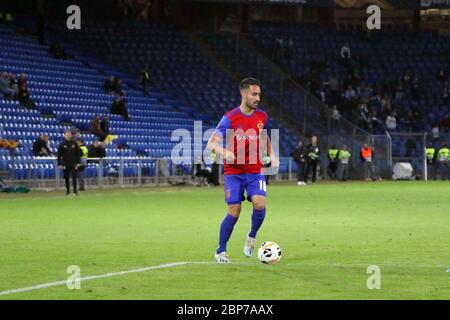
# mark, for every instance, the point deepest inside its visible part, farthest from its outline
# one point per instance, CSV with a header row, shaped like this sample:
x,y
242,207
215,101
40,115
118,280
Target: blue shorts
x,y
236,185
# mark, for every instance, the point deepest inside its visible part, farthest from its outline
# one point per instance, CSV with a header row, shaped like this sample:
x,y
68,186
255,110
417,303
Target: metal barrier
x,y
43,173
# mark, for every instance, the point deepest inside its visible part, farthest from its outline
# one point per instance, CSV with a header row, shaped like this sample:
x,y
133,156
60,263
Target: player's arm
x,y
271,154
268,144
215,143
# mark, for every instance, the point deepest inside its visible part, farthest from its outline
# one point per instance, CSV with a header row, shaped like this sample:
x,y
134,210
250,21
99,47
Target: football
x,y
269,253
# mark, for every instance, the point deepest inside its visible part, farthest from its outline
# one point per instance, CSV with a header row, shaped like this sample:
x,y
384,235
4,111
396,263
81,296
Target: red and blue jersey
x,y
243,140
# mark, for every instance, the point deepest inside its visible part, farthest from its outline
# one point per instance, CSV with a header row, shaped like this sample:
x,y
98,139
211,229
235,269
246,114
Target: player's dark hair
x,y
247,82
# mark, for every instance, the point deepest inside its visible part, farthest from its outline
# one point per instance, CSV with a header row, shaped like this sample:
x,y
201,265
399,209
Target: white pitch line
x,y
106,275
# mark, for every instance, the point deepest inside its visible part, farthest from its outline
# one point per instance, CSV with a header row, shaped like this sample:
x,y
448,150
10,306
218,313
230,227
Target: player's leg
x,y
67,179
345,175
307,169
233,197
226,229
314,172
256,191
366,170
303,170
74,180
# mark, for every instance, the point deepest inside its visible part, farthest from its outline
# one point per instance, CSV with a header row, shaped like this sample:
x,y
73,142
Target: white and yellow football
x,y
269,253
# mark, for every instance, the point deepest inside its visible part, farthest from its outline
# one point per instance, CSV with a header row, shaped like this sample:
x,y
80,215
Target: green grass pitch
x,y
329,233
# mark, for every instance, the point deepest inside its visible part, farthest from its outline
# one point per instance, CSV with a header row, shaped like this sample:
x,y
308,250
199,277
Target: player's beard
x,y
252,106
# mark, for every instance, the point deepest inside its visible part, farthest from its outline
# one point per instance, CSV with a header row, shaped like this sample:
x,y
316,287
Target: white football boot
x,y
249,247
222,257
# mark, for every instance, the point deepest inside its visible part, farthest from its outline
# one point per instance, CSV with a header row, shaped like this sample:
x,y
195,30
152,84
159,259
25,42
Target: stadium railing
x,y
43,173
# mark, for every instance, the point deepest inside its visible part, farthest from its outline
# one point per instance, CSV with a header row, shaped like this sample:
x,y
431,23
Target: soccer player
x,y
243,129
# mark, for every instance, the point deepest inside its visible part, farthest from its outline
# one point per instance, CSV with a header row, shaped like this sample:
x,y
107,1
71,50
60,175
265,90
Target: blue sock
x,y
226,228
257,220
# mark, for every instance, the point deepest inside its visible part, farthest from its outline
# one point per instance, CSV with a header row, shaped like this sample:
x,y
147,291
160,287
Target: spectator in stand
x,y
322,95
96,150
409,121
128,8
374,123
442,76
363,116
386,107
23,80
6,18
407,79
13,83
5,87
399,94
335,115
416,91
346,57
366,91
435,132
350,93
24,97
145,81
346,52
333,90
118,86
444,96
119,107
95,127
108,85
279,48
417,116
58,51
144,9
290,49
391,122
10,145
445,123
104,126
40,147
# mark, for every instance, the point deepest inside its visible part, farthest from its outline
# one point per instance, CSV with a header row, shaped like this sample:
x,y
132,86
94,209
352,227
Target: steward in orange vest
x,y
367,159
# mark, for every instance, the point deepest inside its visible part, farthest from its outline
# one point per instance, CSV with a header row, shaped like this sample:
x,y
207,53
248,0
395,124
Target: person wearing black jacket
x,y
119,107
96,150
299,155
104,127
312,159
69,159
40,147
